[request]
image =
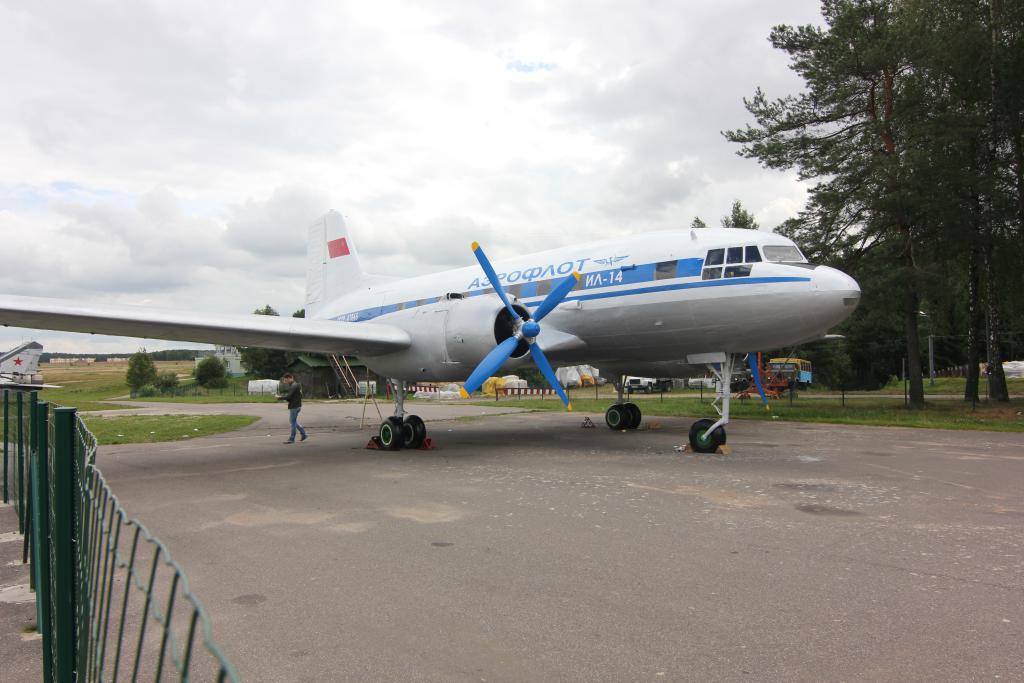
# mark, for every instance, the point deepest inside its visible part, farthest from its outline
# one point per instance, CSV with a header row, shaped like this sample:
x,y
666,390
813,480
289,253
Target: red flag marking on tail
x,y
338,247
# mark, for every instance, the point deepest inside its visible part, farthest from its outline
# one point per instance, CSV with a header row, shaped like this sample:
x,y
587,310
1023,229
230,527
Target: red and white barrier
x,y
429,389
527,392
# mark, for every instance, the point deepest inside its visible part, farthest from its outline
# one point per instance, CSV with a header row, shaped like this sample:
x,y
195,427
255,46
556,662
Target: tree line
x,y
910,132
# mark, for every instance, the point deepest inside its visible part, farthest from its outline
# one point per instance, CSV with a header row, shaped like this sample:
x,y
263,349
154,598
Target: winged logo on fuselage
x,y
611,260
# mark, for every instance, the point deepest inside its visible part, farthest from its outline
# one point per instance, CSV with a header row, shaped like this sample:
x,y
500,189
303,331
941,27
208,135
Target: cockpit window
x,y
735,255
753,256
782,254
715,257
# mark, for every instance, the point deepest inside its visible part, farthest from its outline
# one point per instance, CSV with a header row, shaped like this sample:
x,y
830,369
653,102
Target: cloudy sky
x,y
173,153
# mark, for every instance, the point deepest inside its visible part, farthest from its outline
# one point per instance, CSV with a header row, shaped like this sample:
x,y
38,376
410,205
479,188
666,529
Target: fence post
x,y
40,486
19,461
7,414
30,448
63,544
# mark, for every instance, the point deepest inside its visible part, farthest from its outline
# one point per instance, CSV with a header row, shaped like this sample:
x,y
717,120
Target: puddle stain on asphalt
x,y
819,509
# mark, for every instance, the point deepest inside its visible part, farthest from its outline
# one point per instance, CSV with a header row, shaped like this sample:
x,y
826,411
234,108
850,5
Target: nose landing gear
x,y
705,440
706,436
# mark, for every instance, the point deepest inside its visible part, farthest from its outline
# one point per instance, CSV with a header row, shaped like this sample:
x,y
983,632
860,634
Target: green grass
x,y
954,385
235,393
888,412
84,387
153,428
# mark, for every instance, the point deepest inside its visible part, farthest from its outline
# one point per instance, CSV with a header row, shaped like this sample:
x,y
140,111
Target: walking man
x,y
293,394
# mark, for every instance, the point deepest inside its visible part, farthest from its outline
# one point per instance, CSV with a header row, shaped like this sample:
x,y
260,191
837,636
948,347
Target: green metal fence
x,y
111,603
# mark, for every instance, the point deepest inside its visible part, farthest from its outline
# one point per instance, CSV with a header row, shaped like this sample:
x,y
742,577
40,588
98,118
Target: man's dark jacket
x,y
293,393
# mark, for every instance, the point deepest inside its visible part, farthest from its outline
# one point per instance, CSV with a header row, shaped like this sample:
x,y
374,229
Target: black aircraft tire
x,y
701,442
634,415
390,434
617,417
414,431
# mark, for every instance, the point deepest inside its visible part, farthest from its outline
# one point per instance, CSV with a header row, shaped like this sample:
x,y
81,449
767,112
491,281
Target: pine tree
x,y
851,130
739,218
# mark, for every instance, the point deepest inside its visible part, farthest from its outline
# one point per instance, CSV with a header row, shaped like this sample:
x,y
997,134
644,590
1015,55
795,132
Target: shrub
x,y
217,383
146,391
211,373
166,380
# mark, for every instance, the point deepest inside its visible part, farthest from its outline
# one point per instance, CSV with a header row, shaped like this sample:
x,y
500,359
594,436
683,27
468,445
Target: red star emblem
x,y
17,361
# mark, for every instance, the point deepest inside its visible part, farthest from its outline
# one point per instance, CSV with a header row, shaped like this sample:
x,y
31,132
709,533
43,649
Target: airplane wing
x,y
290,334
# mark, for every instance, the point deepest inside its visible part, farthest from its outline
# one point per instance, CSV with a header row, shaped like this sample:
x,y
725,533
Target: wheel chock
x,y
374,444
588,424
721,450
427,445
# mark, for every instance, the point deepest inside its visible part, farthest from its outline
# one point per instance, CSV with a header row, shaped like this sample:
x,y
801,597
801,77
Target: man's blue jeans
x,y
293,417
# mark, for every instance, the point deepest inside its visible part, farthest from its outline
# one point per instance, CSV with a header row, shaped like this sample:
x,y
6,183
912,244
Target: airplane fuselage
x,y
641,300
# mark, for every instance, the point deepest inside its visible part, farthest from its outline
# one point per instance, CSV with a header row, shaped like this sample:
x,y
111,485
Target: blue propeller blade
x,y
756,371
493,277
503,351
489,365
545,367
560,291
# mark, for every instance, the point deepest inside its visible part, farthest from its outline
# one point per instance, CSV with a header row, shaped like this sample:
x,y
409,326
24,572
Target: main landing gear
x,y
707,435
622,415
401,430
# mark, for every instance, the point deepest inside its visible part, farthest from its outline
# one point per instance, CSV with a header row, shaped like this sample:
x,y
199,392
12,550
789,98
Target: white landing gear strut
x,y
401,430
707,435
622,415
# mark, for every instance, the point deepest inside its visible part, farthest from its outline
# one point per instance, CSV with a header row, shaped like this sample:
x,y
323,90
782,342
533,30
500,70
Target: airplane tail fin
x,y
332,262
21,360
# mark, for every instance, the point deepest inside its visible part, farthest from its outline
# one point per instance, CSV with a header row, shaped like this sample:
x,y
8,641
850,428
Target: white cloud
x,y
172,153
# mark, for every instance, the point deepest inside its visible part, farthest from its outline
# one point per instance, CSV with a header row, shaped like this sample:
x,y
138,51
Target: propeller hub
x,y
530,329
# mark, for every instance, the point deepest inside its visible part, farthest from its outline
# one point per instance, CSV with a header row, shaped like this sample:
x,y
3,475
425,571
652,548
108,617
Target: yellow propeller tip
x,y
569,407
576,275
476,245
463,392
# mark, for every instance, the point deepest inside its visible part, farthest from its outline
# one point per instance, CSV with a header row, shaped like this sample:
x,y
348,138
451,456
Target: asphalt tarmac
x,y
527,548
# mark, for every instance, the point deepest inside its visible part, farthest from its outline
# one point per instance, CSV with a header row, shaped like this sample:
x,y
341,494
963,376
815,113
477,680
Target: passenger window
x,y
515,290
543,287
400,307
665,270
737,271
715,257
753,255
735,255
712,274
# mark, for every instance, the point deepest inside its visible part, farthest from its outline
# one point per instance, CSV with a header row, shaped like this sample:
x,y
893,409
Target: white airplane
x,y
19,368
662,304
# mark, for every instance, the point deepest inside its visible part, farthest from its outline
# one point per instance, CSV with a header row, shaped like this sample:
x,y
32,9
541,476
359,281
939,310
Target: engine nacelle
x,y
449,338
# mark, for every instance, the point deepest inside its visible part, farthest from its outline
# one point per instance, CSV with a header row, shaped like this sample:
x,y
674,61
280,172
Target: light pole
x,y
931,360
931,348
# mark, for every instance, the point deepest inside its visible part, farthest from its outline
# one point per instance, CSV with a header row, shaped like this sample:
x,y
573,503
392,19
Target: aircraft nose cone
x,y
839,294
831,280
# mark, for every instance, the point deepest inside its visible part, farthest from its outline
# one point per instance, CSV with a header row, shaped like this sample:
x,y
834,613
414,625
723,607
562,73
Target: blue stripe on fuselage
x,y
371,313
680,285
